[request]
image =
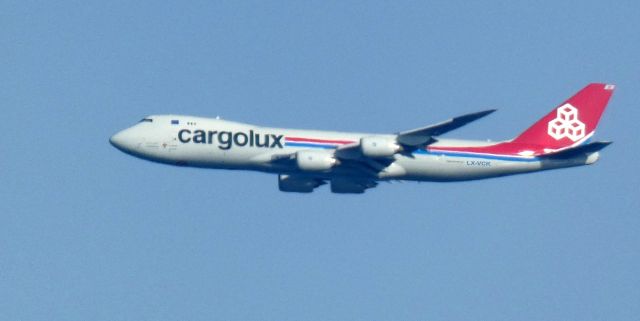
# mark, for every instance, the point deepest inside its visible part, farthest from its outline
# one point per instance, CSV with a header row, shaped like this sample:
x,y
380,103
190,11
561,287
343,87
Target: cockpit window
x,y
146,120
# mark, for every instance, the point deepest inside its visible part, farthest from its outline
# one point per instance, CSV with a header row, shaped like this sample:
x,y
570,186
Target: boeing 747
x,y
354,162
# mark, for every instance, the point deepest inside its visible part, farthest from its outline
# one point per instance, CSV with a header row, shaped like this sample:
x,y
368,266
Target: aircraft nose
x,y
115,140
124,140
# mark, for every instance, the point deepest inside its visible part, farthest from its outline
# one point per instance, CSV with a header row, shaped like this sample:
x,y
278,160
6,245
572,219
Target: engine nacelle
x,y
350,185
376,146
312,160
288,183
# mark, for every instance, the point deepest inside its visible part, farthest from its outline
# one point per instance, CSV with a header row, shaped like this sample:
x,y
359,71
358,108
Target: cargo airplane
x,y
354,162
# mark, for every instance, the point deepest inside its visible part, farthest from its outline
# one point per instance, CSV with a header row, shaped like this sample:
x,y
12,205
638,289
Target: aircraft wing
x,y
412,139
365,158
424,135
308,183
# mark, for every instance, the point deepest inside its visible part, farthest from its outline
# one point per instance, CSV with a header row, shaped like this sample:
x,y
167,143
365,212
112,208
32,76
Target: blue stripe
x,y
434,153
483,156
291,144
445,153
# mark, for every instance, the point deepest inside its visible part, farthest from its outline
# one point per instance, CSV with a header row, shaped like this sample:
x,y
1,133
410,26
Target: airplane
x,y
355,162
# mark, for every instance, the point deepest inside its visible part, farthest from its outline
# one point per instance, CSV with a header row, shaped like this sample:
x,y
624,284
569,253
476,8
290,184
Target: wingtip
x,y
602,144
485,112
606,142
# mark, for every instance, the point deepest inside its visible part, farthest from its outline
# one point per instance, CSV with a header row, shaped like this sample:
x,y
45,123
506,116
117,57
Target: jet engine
x,y
344,185
312,160
379,146
288,183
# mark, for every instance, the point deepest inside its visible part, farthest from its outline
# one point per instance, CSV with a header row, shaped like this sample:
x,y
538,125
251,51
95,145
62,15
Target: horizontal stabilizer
x,y
421,136
577,151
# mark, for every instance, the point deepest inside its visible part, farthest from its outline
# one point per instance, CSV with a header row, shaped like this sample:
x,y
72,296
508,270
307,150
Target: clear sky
x,y
89,233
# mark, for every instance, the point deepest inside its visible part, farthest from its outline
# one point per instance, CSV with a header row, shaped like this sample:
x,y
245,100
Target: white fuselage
x,y
216,143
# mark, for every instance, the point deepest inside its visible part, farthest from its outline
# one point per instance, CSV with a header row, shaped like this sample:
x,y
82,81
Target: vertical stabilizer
x,y
572,122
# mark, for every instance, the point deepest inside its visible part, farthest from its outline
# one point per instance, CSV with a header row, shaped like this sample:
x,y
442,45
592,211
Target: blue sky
x,y
87,232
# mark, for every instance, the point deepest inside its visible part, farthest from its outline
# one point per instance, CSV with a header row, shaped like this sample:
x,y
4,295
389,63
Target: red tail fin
x,y
571,123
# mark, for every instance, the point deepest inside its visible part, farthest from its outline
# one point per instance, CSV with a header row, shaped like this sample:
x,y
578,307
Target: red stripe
x,y
506,149
314,140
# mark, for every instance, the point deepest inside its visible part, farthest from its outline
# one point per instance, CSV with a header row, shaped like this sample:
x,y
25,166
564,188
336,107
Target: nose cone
x,y
125,141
